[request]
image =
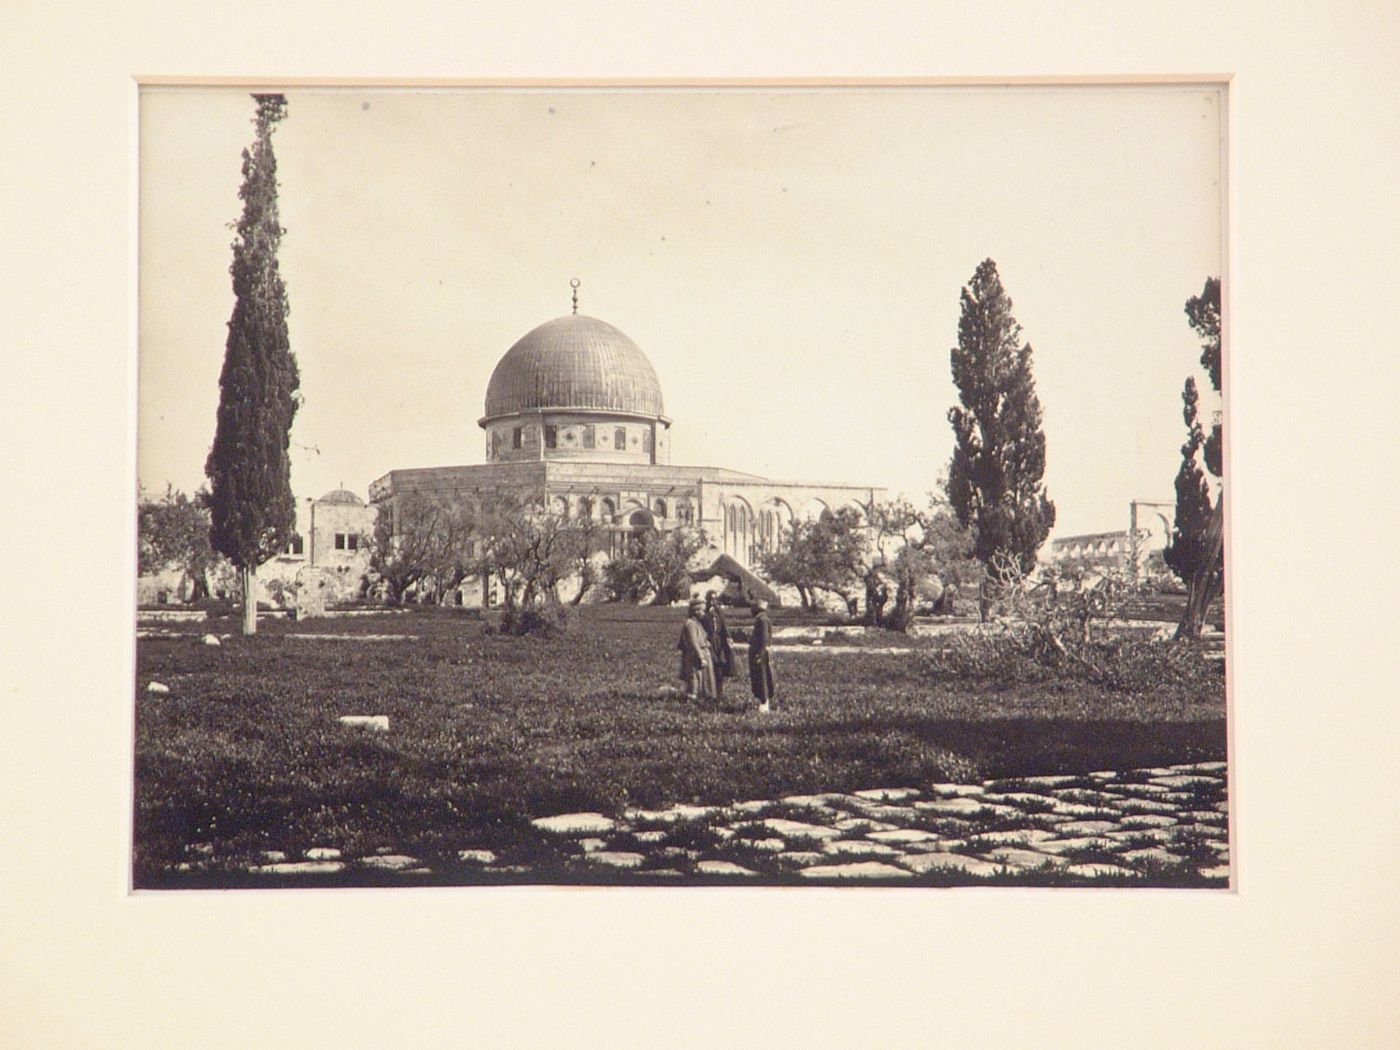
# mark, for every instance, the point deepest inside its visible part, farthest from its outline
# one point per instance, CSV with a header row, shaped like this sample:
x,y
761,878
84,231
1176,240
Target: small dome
x,y
343,497
574,362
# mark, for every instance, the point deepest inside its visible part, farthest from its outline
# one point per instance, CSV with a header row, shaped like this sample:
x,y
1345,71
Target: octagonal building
x,y
574,419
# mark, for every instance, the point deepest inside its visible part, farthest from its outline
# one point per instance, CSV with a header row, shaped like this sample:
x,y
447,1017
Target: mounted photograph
x,y
649,485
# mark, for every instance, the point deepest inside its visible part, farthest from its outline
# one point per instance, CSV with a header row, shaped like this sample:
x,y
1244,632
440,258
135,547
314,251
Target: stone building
x,y
575,420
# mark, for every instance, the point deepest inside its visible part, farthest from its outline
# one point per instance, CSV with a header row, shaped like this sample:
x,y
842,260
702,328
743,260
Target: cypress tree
x,y
1196,551
252,510
995,481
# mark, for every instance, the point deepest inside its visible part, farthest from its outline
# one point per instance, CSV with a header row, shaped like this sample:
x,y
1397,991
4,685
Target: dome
x,y
343,497
574,362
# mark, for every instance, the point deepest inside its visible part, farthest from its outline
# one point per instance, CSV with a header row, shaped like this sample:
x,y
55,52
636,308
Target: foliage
x,y
1058,629
655,564
419,537
173,532
827,554
1196,549
530,551
245,753
995,481
251,503
907,547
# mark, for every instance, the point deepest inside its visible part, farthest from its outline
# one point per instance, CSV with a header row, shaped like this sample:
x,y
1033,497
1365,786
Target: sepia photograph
x,y
644,485
386,382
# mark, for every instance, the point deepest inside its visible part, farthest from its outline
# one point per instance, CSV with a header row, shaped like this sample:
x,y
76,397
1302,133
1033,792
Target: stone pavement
x,y
1152,827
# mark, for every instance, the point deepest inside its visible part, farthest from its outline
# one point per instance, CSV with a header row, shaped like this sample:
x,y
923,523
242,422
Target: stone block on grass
x,y
796,828
616,859
721,867
859,846
390,862
922,863
477,856
304,867
866,869
159,688
322,853
575,823
371,723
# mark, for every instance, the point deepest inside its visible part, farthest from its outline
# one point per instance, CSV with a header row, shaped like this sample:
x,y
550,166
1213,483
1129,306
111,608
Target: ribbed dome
x,y
342,496
574,362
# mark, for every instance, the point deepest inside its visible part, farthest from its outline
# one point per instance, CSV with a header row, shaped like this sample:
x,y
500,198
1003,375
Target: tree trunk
x,y
1205,586
248,577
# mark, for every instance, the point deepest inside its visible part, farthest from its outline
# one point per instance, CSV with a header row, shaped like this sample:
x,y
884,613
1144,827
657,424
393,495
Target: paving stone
x,y
935,846
1186,780
812,801
1020,836
841,846
724,834
902,835
1052,781
576,823
322,853
1155,854
1142,805
1095,871
158,687
922,863
1142,789
950,806
390,862
866,869
592,845
508,869
1209,767
858,825
956,790
1076,809
1146,820
721,867
477,856
303,867
764,845
1158,835
1181,798
1058,846
211,639
666,872
752,806
1087,827
1022,858
1210,817
616,859
802,858
794,828
273,856
1017,798
649,836
1221,871
878,811
677,852
1221,807
692,812
888,794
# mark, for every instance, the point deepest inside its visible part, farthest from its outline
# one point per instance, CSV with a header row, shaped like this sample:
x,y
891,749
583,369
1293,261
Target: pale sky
x,y
789,261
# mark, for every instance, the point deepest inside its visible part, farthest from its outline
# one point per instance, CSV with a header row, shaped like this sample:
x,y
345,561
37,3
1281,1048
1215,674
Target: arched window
x,y
585,508
609,510
620,437
661,508
560,506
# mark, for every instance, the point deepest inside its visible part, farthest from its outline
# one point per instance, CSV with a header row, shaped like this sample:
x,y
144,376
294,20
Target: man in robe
x,y
697,660
760,664
720,648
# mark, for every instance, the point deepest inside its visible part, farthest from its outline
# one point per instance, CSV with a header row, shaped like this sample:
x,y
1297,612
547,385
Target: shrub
x,y
549,621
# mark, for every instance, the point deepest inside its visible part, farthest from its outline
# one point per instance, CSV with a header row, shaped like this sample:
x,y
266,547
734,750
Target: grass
x,y
245,753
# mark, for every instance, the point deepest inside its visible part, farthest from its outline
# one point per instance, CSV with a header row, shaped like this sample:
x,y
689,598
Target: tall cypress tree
x,y
1196,550
995,481
252,510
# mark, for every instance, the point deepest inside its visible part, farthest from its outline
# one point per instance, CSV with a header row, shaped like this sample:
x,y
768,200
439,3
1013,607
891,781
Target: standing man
x,y
760,665
697,661
720,648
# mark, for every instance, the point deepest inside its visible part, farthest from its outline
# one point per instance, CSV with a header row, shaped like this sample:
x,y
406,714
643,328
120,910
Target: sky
x,y
789,260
